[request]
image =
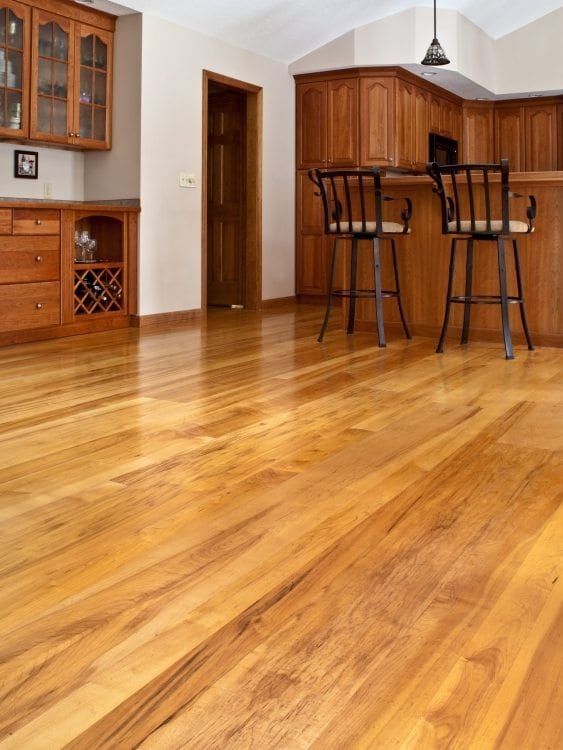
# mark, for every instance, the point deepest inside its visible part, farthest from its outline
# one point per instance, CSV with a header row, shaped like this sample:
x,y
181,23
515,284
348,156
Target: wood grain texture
x,y
231,537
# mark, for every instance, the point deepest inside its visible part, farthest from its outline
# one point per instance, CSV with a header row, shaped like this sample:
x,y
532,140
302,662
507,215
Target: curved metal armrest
x,y
451,208
314,179
532,209
406,215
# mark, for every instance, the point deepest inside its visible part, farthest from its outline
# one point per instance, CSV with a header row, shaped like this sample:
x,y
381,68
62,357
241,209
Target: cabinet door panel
x,y
541,138
405,125
421,129
447,118
311,125
560,137
377,106
478,140
311,267
342,145
435,114
15,40
92,99
52,77
509,137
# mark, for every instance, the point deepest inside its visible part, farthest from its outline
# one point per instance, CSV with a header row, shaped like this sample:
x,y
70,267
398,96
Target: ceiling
x,y
288,29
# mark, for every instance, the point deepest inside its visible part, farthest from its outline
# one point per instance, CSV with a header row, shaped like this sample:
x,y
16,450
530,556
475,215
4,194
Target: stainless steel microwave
x,y
442,150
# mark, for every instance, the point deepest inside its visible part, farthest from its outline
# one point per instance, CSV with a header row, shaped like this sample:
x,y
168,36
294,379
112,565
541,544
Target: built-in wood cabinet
x,y
421,127
560,137
478,134
56,84
328,111
311,256
540,134
377,118
405,125
509,136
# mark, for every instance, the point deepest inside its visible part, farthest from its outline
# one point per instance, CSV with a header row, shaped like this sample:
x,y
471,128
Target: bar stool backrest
x,y
351,199
474,197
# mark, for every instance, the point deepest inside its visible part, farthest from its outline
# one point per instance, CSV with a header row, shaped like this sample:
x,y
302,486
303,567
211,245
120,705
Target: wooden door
x,y
15,40
405,125
52,78
541,138
225,198
342,121
421,129
377,118
509,136
435,114
311,125
478,135
92,94
311,261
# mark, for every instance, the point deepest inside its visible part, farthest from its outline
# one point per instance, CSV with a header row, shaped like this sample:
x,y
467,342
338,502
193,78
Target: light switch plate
x,y
47,190
188,180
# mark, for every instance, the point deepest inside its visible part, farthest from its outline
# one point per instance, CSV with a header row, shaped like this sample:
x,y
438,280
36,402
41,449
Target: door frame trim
x,y
252,282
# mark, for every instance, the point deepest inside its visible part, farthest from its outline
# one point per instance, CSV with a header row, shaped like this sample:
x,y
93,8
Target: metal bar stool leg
x,y
504,299
353,286
468,292
522,305
378,292
440,348
398,290
330,290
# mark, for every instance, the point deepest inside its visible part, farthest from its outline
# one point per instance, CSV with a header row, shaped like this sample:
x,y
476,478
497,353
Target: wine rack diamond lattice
x,y
98,291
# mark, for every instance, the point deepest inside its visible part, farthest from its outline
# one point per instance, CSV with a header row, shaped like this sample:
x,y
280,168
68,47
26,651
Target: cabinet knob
x,y
39,306
71,135
77,135
39,259
39,222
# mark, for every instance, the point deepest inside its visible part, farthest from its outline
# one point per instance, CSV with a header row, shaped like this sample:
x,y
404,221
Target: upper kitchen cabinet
x,y
540,129
56,73
421,112
52,78
560,136
377,118
478,134
327,124
509,136
405,125
92,106
15,35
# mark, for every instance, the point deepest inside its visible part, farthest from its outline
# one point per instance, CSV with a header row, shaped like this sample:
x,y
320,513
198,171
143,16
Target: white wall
x,y
117,173
174,58
63,169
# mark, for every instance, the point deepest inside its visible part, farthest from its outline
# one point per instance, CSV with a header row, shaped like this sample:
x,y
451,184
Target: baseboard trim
x,y
268,304
158,320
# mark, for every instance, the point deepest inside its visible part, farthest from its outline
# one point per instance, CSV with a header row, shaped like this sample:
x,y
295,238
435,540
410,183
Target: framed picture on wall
x,y
26,165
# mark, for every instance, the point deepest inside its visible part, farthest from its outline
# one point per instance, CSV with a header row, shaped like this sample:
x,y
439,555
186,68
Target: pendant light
x,y
435,54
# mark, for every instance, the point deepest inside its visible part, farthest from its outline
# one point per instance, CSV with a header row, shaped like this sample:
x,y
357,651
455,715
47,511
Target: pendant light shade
x,y
435,54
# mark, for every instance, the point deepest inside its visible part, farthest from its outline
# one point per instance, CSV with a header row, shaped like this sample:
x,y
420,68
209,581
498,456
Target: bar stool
x,y
353,210
482,230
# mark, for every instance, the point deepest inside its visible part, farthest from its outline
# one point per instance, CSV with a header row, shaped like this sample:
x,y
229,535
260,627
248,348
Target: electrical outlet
x,y
188,180
47,190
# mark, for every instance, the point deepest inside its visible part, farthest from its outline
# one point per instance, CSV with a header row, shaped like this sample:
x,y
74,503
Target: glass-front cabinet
x,y
93,71
14,68
52,78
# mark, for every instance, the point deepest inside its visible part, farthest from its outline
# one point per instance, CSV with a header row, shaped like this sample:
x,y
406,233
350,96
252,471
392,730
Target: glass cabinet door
x,y
14,56
93,75
52,78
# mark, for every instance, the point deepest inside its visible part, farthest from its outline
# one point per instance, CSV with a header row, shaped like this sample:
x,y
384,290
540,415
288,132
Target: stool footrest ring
x,y
361,293
485,299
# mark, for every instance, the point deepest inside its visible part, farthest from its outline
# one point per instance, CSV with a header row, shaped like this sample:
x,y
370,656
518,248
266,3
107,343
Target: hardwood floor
x,y
231,537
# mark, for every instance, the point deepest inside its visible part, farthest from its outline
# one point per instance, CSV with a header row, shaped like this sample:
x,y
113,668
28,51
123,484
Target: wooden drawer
x,y
36,221
24,306
29,259
5,221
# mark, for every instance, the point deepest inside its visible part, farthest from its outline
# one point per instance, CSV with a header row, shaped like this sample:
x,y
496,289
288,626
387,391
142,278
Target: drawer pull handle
x,y
39,222
39,259
39,306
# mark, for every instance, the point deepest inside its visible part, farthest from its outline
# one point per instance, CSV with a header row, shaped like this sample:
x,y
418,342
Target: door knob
x,y
39,222
39,259
39,306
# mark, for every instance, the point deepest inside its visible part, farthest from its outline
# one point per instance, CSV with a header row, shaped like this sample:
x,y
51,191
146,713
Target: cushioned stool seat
x,y
514,227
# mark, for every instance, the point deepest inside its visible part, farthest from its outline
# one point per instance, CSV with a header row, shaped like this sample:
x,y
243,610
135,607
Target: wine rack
x,y
98,290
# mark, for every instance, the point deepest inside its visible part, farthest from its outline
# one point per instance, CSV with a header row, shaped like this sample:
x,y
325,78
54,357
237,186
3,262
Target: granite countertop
x,y
130,204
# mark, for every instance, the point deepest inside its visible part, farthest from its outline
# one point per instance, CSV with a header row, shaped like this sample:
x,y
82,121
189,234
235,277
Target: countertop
x,y
125,204
540,178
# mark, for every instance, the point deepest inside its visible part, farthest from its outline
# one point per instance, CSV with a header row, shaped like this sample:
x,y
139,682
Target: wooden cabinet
x,y
478,135
405,156
540,132
447,118
327,124
421,129
435,108
15,36
509,136
311,258
377,118
560,137
45,290
58,84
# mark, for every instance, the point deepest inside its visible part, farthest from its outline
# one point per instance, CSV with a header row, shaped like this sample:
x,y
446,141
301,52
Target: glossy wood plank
x,y
229,536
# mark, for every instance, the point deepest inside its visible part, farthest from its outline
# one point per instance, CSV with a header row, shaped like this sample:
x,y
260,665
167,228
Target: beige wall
x,y
174,58
117,173
63,169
